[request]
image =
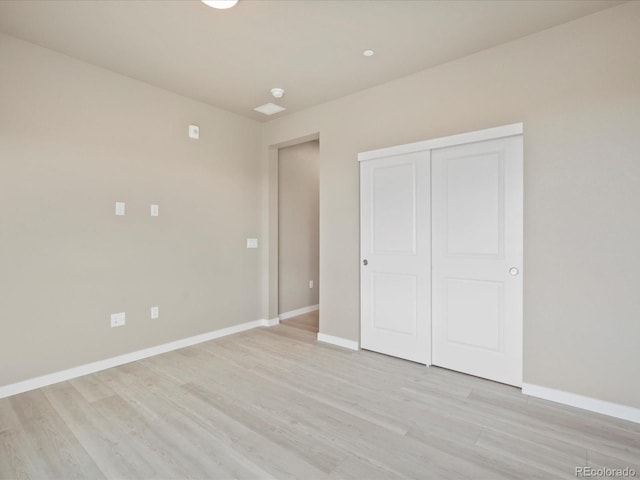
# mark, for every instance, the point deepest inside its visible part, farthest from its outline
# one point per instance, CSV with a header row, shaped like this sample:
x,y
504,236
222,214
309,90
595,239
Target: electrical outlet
x,y
118,319
155,210
310,283
120,208
155,312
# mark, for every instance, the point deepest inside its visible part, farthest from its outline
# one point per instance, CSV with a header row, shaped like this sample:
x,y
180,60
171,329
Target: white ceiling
x,y
311,48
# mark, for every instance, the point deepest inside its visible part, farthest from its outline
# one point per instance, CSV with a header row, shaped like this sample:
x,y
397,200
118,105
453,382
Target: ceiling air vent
x,y
269,108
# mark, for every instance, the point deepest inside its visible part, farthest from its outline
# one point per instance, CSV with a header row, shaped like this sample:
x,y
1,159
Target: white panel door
x,y
477,222
395,255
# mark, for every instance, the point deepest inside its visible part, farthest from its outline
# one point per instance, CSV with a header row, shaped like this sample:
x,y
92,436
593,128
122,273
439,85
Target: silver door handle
x,y
364,262
514,271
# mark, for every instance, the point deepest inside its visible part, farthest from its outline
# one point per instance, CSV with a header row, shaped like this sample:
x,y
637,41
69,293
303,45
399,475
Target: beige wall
x,y
577,90
74,139
298,220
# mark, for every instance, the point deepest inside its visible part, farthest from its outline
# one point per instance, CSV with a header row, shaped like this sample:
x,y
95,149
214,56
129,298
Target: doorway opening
x,y
294,226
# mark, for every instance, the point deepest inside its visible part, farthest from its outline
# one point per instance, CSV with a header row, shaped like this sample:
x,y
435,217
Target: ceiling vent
x,y
269,108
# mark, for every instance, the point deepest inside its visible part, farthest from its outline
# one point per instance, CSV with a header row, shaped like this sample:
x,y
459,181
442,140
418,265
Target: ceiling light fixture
x,y
368,53
277,92
220,4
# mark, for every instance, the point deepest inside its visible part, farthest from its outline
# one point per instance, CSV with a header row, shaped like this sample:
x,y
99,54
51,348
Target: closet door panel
x,y
477,258
395,256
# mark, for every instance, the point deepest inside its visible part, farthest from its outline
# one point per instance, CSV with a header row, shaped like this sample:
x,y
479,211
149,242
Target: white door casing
x,y
477,257
395,256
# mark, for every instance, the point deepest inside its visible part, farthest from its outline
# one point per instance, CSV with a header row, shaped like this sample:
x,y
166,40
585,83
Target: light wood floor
x,y
274,403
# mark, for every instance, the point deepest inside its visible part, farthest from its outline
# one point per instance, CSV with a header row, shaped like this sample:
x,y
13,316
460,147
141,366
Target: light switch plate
x,y
155,210
252,243
120,208
310,283
155,312
118,319
194,132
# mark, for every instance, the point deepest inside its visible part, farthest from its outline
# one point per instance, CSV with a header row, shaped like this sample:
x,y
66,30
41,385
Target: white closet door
x,y
477,213
395,254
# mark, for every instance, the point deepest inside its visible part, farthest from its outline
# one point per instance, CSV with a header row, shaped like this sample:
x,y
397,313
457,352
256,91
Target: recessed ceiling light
x,y
277,92
220,4
368,53
269,108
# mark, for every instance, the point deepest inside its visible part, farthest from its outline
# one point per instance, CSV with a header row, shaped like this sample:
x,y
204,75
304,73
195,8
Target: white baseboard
x,y
586,403
272,322
63,375
299,311
340,342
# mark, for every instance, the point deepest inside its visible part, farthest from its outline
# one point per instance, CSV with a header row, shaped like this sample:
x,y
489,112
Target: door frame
x,y
449,141
436,143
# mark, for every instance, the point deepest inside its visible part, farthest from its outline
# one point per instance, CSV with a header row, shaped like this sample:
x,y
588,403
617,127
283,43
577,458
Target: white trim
x,y
462,138
272,322
340,342
586,403
299,311
63,375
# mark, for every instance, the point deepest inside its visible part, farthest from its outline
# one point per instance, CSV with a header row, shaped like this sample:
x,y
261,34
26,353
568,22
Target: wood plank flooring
x,y
274,403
